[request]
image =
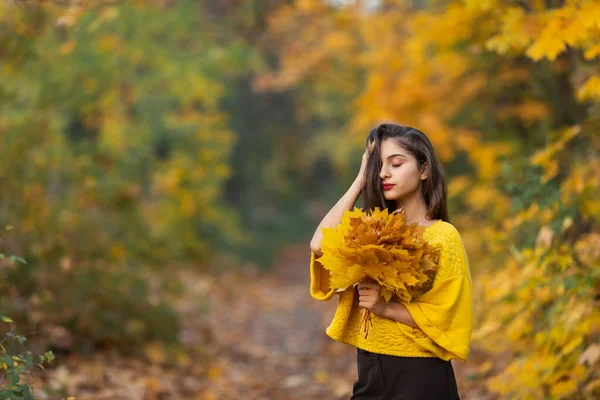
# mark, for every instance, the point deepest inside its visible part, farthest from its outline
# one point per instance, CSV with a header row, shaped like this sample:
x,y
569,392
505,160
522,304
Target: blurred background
x,y
164,164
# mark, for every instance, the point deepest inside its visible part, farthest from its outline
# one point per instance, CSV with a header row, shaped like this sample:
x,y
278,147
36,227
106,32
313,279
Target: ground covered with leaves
x,y
246,335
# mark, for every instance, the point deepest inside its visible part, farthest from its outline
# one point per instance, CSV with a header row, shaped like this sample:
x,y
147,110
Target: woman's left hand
x,y
370,297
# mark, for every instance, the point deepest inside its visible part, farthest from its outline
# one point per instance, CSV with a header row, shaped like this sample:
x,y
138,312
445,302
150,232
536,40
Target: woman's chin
x,y
388,195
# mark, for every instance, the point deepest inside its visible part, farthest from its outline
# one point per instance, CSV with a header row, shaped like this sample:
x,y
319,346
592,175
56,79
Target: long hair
x,y
414,141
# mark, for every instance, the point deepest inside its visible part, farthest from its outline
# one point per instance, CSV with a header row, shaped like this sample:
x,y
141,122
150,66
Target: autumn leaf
x,y
381,246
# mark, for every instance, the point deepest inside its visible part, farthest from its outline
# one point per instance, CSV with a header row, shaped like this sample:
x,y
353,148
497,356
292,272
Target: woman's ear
x,y
424,172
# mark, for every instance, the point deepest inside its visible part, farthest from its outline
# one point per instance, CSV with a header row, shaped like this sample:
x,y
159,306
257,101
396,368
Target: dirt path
x,y
246,336
270,341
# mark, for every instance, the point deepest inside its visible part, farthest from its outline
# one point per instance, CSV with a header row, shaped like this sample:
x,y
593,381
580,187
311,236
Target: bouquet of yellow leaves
x,y
379,247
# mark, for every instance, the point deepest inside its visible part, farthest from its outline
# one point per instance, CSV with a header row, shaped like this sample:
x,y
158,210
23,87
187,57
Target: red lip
x,y
387,186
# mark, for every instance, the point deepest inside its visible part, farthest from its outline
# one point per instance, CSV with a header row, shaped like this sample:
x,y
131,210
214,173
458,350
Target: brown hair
x,y
414,141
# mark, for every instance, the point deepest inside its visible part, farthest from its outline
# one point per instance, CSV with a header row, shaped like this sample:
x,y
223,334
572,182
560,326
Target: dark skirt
x,y
383,377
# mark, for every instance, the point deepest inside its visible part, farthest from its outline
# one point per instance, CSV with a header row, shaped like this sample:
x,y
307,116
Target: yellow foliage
x,y
108,44
457,185
590,90
380,246
548,44
308,5
214,372
546,364
512,35
486,159
481,5
592,52
563,388
320,376
68,47
421,68
156,353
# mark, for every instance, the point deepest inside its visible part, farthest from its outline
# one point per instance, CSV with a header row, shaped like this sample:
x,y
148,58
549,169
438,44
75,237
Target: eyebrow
x,y
396,155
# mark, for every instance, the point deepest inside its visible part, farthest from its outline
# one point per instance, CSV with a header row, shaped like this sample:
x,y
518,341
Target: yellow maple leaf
x,y
379,245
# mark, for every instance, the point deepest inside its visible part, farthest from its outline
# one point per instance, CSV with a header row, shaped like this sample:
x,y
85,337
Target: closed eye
x,y
396,165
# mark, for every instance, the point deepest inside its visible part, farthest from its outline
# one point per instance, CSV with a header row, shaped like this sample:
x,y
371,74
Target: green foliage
x,y
15,365
114,151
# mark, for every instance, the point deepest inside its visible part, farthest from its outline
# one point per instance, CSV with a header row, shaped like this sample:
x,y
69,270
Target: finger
x,y
367,293
371,286
371,146
367,284
372,299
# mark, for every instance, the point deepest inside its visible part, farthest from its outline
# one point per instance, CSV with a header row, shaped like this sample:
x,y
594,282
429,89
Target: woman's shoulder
x,y
453,257
442,232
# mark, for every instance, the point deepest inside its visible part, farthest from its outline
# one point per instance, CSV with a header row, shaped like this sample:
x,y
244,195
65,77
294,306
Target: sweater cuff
x,y
319,280
459,350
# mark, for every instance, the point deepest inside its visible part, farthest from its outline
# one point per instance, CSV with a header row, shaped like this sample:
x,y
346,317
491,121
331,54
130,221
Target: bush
x,y
14,364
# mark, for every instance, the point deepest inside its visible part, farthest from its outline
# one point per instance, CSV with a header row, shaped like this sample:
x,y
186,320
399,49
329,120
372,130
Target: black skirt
x,y
383,377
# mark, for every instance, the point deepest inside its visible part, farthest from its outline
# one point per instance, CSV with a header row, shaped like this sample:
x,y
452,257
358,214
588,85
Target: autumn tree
x,y
508,93
114,152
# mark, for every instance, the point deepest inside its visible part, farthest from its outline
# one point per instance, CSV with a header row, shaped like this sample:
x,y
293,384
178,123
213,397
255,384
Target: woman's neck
x,y
415,208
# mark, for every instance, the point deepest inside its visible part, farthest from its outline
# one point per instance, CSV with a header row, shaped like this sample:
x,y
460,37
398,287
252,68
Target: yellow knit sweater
x,y
444,314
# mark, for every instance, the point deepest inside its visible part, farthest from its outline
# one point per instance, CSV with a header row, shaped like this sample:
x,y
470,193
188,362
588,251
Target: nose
x,y
383,173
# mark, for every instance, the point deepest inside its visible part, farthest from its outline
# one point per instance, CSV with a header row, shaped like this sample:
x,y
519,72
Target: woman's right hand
x,y
346,203
363,166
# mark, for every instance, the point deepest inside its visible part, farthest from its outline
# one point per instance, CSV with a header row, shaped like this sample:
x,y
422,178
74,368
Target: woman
x,y
408,352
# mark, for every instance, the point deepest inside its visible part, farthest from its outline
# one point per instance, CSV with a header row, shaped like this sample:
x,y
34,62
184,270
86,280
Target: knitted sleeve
x,y
445,312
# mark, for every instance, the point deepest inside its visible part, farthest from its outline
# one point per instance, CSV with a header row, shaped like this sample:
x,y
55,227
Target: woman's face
x,y
400,170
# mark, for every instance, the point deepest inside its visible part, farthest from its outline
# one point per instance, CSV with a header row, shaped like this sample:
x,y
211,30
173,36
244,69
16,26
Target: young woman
x,y
408,353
